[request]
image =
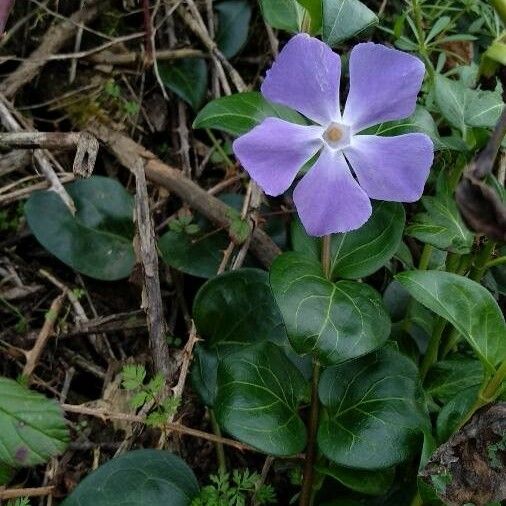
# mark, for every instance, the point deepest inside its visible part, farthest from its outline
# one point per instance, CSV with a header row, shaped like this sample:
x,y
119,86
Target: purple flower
x,y
5,8
384,84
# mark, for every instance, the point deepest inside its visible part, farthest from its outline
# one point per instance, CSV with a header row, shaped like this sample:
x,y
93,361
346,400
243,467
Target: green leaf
x,y
187,78
421,121
303,243
334,321
233,25
452,413
442,226
32,427
6,474
259,395
463,106
440,25
364,482
362,252
467,305
133,376
239,113
237,307
315,10
196,254
97,241
230,311
153,477
371,418
343,19
283,14
447,378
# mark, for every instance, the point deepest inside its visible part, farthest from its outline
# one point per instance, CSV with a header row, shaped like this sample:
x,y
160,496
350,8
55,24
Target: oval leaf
x,y
259,394
343,19
371,418
153,477
187,78
467,305
334,321
32,427
282,14
97,241
233,25
362,252
239,113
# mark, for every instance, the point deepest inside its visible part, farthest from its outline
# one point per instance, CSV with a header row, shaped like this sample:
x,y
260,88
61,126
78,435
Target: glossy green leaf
x,y
453,412
315,10
259,395
463,106
97,241
233,24
371,418
362,252
187,78
237,307
333,321
283,14
150,477
442,225
421,121
358,480
303,243
196,254
230,311
239,113
467,305
449,377
32,427
343,19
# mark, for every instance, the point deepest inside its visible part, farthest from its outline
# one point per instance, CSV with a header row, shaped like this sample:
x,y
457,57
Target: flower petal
x,y
305,77
274,151
392,168
328,199
384,84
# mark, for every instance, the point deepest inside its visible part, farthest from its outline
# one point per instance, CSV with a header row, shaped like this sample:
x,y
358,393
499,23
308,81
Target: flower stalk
x,y
307,493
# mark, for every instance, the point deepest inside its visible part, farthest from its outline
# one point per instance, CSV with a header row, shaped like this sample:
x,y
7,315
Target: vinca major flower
x,y
351,167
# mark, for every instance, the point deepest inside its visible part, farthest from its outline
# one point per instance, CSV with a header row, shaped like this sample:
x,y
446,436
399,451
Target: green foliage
x,y
187,78
259,395
233,24
153,477
133,379
333,321
32,427
464,107
467,305
97,241
343,19
441,225
283,14
20,501
371,419
234,490
239,113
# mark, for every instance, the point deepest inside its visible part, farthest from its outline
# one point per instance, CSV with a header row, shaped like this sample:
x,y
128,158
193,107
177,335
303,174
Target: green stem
x,y
220,451
425,257
495,262
481,260
306,495
307,492
431,355
488,393
217,145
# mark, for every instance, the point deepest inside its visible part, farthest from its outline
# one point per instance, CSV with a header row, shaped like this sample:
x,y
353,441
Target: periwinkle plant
x,y
308,359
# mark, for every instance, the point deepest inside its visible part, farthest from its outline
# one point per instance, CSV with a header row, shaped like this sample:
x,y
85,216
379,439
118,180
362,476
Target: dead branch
x,y
32,356
174,427
13,493
128,153
147,256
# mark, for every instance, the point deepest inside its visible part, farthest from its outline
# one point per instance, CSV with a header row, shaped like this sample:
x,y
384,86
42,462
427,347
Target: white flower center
x,y
337,135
